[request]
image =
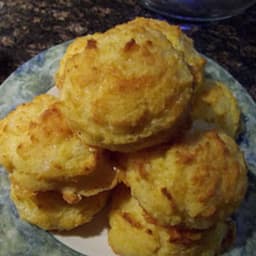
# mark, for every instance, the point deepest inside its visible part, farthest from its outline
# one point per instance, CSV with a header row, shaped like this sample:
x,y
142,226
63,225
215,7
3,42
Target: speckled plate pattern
x,y
35,77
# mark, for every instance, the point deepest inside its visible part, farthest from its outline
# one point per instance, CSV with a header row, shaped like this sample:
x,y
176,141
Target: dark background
x,y
28,27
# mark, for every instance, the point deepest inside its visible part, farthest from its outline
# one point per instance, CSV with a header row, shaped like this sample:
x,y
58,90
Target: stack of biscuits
x,y
135,116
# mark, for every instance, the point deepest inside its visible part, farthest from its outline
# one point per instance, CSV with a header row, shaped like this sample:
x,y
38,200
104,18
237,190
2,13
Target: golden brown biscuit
x,y
43,153
194,183
215,104
49,211
131,234
128,89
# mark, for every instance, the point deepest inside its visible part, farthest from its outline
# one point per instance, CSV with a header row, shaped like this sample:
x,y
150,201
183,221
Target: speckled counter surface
x,y
28,27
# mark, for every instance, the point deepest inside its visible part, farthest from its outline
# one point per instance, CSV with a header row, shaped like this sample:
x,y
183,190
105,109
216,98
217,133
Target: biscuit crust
x,y
181,43
42,153
194,183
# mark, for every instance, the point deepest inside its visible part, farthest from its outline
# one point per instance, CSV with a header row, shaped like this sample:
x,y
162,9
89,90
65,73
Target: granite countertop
x,y
28,27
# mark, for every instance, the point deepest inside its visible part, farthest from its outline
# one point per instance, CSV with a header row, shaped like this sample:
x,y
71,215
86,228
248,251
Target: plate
x,y
20,238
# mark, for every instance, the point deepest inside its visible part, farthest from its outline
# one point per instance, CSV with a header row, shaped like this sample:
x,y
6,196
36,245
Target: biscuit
x,y
129,88
49,211
131,234
199,180
42,153
215,104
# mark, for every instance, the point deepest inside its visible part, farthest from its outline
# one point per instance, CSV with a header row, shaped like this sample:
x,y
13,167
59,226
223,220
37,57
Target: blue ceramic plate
x,y
35,77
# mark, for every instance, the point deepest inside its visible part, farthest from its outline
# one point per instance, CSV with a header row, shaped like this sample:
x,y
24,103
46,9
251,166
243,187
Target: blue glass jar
x,y
198,10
